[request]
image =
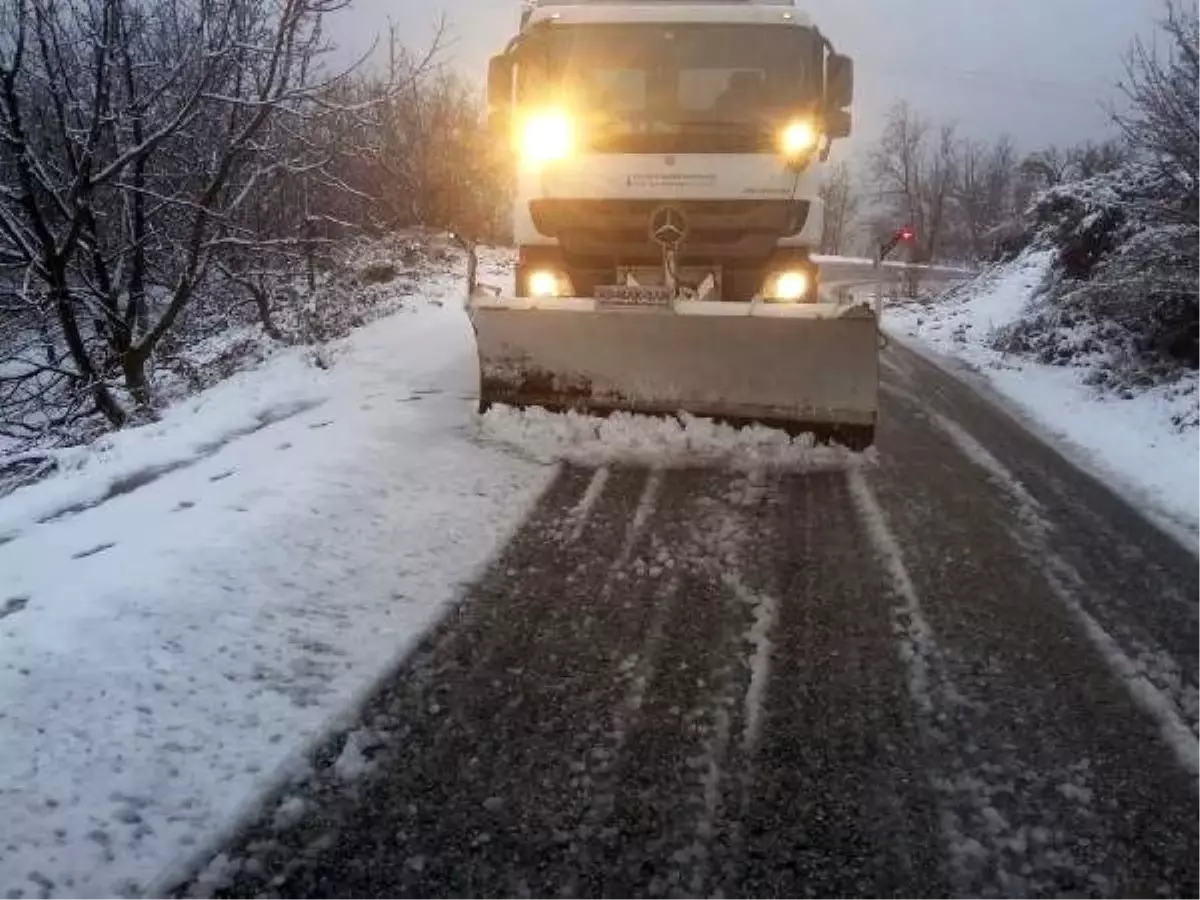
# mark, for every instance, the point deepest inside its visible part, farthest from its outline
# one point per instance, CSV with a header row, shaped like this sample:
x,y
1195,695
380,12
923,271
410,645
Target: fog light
x,y
543,283
788,286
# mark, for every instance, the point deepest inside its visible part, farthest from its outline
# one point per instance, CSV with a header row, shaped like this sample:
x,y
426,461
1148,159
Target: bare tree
x,y
1092,158
985,193
841,208
938,192
1052,165
1047,167
435,163
914,176
1163,119
897,164
148,149
1160,264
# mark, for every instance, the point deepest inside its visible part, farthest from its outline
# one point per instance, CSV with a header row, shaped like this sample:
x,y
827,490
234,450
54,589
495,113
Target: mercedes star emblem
x,y
668,226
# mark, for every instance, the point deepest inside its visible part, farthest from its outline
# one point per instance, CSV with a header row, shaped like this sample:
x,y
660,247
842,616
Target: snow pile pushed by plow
x,y
665,442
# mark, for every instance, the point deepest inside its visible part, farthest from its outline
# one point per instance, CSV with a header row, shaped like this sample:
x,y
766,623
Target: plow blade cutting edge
x,y
801,368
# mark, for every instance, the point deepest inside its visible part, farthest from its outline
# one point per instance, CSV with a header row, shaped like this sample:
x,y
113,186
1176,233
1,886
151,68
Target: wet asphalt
x,y
964,669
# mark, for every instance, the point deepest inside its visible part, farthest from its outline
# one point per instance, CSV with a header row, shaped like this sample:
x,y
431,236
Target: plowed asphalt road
x,y
967,669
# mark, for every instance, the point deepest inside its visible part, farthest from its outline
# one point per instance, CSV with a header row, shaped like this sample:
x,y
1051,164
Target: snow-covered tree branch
x,y
153,152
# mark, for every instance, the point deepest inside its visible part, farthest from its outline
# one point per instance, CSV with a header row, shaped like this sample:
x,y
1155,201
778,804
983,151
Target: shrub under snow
x,y
1120,295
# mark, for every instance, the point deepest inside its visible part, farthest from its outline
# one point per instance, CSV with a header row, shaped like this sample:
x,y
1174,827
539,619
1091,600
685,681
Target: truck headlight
x,y
789,286
547,137
547,283
798,137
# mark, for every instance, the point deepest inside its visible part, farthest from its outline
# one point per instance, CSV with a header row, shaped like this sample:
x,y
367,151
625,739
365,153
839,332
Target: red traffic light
x,y
905,233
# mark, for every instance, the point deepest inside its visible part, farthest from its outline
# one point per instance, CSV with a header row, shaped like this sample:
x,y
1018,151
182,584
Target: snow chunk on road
x,y
354,762
1131,443
629,439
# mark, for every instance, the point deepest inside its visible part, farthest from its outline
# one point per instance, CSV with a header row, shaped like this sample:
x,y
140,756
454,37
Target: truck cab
x,y
658,138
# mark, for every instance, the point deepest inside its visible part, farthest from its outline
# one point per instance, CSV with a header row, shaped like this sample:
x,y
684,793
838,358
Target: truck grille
x,y
621,228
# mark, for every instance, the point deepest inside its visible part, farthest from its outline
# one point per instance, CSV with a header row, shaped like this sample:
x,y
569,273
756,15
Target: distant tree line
x,y
965,198
1120,215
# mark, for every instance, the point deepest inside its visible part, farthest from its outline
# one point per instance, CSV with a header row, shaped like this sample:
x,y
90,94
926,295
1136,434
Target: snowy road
x,y
964,668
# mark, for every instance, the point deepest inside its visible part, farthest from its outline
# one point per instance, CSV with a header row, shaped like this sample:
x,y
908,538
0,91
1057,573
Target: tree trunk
x,y
263,302
133,365
106,403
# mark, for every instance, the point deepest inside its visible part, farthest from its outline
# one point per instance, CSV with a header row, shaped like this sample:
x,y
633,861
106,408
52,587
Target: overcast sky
x,y
1035,69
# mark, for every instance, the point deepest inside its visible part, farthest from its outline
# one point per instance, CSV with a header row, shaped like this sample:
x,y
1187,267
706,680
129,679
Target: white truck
x,y
667,158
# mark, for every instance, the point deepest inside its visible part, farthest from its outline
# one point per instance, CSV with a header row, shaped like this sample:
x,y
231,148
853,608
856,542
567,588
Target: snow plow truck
x,y
668,155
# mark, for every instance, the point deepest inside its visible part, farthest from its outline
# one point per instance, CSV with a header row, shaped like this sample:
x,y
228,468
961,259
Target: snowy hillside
x,y
1087,341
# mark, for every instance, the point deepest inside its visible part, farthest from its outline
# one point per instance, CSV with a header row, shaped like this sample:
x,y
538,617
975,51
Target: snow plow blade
x,y
801,368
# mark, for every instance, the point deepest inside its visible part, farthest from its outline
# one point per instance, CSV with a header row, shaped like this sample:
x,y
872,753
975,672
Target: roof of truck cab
x,y
573,11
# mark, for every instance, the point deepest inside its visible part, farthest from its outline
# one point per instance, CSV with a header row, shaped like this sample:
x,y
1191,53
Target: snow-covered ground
x,y
185,605
1131,442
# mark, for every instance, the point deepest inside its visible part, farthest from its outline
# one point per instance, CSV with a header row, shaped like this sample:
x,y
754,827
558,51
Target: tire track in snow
x,y
764,610
716,838
512,719
1066,583
577,518
637,672
1062,813
987,852
826,805
1137,587
918,646
647,503
664,768
718,852
1142,629
656,563
599,768
888,364
469,742
766,614
1126,551
721,541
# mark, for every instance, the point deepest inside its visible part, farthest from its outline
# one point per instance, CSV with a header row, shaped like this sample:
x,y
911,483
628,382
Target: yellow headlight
x,y
789,286
547,136
543,283
798,138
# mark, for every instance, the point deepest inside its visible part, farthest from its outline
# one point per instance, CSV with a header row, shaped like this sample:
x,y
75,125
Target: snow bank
x,y
1132,441
195,600
123,461
624,438
967,316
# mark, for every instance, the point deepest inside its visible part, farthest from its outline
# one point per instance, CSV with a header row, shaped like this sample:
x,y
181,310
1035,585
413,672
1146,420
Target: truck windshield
x,y
672,85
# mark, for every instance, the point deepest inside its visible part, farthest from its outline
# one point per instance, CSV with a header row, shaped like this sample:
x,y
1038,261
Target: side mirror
x,y
500,82
839,81
837,123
